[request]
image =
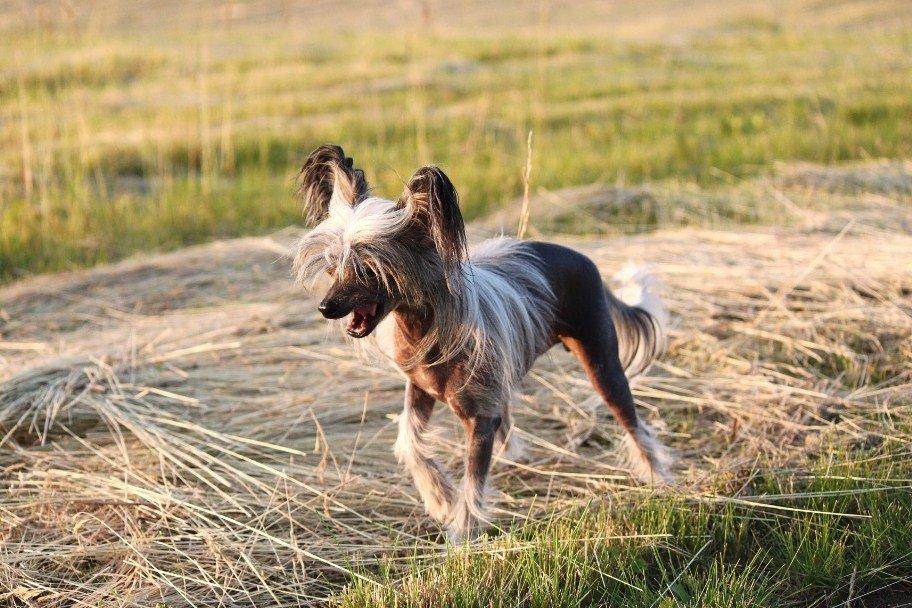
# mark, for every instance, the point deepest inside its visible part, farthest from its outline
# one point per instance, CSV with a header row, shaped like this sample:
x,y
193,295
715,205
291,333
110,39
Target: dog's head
x,y
379,254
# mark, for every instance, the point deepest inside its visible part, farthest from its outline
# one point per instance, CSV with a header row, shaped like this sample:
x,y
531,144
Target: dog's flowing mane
x,y
509,308
494,306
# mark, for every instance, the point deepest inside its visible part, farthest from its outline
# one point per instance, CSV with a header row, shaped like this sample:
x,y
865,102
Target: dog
x,y
465,327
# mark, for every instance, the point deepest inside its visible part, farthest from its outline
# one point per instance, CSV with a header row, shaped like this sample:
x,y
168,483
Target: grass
x,y
831,534
120,139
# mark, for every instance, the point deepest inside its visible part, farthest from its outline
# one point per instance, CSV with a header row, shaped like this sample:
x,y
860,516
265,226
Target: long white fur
x,y
469,513
648,460
509,308
638,286
413,449
330,243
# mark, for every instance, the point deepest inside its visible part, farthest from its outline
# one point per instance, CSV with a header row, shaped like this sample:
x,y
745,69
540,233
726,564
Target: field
x,y
183,429
152,125
179,428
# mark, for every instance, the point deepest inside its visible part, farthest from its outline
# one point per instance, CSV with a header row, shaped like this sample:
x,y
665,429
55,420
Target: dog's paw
x,y
463,526
468,520
438,507
649,461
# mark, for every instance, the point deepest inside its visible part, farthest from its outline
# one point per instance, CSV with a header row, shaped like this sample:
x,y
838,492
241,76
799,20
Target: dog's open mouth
x,y
363,320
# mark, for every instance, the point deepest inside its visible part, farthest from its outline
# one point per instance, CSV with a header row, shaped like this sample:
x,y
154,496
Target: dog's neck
x,y
413,324
407,345
419,334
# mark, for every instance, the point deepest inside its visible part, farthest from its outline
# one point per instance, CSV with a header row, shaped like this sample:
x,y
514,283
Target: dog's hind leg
x,y
508,444
469,514
649,460
414,451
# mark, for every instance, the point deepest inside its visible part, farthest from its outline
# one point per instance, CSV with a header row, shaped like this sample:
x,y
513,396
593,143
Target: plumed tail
x,y
639,316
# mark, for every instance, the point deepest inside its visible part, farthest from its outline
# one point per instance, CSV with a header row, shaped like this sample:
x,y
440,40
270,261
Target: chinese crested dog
x,y
464,326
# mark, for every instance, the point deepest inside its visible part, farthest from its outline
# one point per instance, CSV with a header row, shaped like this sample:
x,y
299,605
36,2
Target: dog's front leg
x,y
469,514
413,450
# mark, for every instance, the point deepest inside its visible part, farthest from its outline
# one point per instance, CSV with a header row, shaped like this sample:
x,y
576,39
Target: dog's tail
x,y
639,317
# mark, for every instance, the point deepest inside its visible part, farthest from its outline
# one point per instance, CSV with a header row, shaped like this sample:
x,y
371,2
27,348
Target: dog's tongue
x,y
361,316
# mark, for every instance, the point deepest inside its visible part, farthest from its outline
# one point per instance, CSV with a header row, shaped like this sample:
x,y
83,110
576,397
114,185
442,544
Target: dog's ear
x,y
326,176
434,203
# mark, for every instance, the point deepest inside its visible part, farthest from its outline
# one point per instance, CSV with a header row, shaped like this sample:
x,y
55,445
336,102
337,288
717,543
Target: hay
x,y
188,432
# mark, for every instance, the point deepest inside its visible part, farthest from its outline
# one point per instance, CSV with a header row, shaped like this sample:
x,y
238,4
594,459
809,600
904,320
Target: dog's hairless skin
x,y
465,327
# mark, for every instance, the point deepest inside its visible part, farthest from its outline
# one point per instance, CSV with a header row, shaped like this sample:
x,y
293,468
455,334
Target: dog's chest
x,y
395,345
386,338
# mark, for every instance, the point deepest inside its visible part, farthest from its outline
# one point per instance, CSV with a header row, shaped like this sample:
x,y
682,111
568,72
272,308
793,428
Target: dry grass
x,y
182,429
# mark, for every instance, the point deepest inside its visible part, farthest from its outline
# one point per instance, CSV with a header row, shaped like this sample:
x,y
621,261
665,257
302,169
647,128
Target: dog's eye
x,y
369,276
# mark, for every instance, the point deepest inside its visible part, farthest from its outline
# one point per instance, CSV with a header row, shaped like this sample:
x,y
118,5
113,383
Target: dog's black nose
x,y
330,310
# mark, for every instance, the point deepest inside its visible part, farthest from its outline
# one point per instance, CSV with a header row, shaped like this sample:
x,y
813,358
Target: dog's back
x,y
637,316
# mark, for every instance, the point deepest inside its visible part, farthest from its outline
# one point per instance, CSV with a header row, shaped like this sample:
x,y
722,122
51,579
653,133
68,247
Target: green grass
x,y
119,141
838,532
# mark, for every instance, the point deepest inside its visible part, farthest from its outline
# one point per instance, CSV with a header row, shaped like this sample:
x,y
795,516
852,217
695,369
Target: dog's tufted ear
x,y
326,176
435,204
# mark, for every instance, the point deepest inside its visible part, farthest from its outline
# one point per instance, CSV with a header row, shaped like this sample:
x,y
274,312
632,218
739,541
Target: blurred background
x,y
142,125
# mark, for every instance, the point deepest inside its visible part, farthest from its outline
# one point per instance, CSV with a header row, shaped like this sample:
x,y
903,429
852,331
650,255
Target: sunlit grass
x,y
118,143
835,533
